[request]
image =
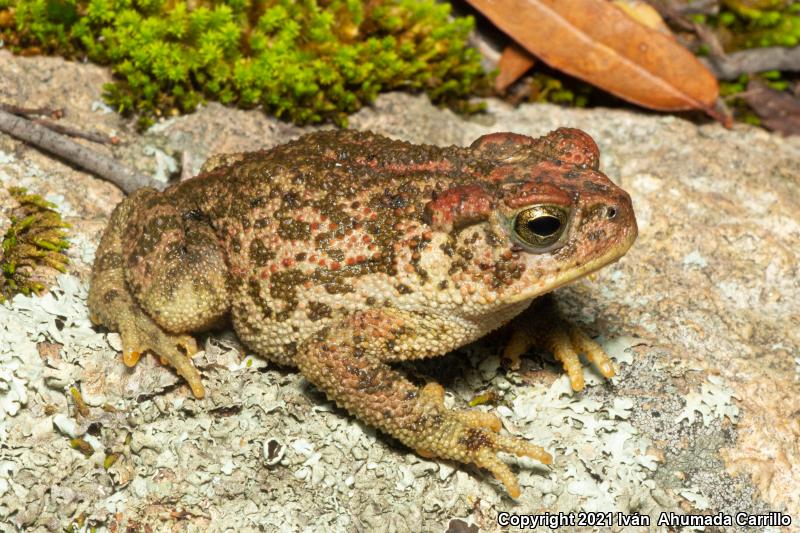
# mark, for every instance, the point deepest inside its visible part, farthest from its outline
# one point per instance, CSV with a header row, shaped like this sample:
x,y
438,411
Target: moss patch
x,y
307,61
36,238
743,24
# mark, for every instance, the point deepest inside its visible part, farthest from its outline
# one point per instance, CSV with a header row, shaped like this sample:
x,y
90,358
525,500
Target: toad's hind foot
x,y
140,334
541,327
470,437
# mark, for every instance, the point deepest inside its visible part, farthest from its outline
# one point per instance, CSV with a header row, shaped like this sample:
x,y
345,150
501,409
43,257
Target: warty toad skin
x,y
343,252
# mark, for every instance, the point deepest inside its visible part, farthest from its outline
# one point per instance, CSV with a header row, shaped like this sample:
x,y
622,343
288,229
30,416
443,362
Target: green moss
x,y
35,238
546,85
305,61
546,88
758,23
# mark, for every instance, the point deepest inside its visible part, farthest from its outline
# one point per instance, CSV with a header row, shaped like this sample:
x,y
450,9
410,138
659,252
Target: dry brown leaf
x,y
597,42
643,13
778,111
514,62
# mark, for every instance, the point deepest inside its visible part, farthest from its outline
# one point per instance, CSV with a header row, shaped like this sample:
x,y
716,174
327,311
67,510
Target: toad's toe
x,y
541,327
470,437
140,334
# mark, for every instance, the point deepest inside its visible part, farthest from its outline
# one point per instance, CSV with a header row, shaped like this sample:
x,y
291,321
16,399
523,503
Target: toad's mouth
x,y
612,256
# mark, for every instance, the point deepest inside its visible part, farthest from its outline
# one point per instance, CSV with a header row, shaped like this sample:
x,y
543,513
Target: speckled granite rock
x,y
702,316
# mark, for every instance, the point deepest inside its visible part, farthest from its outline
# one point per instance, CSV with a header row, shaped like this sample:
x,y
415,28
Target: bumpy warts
x,y
541,327
344,252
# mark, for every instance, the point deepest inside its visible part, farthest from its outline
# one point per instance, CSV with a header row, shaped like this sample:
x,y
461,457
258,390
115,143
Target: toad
x,y
343,252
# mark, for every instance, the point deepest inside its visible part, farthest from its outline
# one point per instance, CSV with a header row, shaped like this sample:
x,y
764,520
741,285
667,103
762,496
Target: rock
x,y
704,310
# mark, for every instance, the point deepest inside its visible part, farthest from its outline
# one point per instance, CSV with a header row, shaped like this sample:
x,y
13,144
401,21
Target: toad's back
x,y
319,228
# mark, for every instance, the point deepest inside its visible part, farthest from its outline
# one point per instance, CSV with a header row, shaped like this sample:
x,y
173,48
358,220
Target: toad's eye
x,y
541,226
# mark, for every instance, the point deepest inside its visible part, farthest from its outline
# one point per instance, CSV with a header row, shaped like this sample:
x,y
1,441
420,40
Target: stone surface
x,y
702,316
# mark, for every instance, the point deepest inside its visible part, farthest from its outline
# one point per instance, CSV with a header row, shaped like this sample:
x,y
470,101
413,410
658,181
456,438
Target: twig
x,y
57,113
731,66
709,38
670,8
124,177
75,132
672,11
701,7
27,111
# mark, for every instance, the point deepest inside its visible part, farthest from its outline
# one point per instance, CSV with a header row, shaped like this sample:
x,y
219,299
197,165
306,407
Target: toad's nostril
x,y
611,213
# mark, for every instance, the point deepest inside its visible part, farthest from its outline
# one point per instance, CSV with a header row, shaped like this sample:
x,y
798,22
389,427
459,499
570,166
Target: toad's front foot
x,y
541,327
468,437
111,300
140,334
